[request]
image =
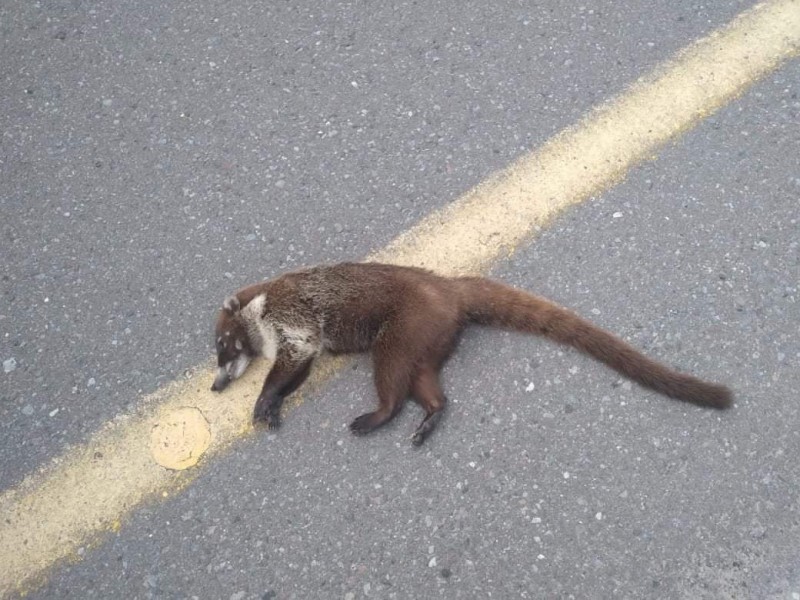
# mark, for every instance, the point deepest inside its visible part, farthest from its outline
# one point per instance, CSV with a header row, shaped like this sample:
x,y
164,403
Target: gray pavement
x,y
155,158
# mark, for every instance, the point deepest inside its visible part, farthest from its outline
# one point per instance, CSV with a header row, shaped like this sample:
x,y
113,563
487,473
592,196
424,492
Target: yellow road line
x,y
92,487
597,152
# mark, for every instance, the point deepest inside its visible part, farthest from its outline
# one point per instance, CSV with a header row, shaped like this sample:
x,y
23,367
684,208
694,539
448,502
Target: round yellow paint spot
x,y
180,438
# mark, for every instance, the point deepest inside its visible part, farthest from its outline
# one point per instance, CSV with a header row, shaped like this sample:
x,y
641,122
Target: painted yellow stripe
x,y
597,152
91,487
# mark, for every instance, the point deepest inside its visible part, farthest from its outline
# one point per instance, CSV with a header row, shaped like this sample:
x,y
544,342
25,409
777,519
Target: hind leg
x,y
392,379
428,392
425,385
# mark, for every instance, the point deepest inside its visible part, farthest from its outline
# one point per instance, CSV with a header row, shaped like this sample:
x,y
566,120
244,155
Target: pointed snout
x,y
221,381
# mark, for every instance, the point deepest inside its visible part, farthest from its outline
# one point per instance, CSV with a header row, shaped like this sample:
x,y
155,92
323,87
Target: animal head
x,y
234,351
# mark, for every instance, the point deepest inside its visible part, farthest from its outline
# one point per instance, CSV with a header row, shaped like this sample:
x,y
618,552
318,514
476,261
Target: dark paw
x,y
272,420
362,425
425,428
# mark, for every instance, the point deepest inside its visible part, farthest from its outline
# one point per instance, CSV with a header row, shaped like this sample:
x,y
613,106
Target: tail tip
x,y
720,397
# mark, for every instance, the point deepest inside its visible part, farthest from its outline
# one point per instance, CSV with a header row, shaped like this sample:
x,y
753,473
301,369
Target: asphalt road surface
x,y
156,156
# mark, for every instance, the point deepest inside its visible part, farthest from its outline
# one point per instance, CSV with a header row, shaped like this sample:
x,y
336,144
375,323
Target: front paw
x,y
273,420
266,414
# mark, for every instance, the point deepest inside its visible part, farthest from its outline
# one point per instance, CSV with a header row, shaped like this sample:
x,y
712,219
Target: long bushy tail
x,y
491,303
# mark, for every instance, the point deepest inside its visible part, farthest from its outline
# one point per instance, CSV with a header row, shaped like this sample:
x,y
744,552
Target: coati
x,y
410,319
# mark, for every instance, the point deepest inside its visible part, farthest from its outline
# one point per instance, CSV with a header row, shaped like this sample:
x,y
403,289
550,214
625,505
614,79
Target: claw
x,y
273,421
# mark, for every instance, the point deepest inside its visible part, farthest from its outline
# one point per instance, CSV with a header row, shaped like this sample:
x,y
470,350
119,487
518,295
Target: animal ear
x,y
231,305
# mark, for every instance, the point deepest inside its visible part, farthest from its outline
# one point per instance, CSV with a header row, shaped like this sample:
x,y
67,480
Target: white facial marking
x,y
237,367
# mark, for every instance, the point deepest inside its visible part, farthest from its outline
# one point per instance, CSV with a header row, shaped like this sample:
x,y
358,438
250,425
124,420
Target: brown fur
x,y
411,319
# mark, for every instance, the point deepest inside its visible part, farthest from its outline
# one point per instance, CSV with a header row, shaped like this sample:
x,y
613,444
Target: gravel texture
x,y
156,157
